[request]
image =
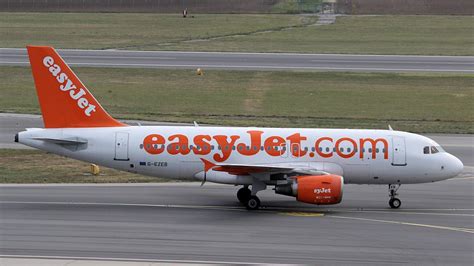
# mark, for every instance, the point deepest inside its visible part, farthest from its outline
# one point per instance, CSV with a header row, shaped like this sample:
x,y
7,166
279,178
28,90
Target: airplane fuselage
x,y
361,156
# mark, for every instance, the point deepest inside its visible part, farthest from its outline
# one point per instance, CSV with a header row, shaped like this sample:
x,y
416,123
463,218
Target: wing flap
x,y
249,169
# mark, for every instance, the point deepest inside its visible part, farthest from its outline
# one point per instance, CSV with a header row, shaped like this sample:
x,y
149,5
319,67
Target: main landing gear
x,y
394,202
244,194
249,197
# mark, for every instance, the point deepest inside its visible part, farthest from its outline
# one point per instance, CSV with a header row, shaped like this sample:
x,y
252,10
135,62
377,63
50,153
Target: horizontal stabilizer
x,y
64,141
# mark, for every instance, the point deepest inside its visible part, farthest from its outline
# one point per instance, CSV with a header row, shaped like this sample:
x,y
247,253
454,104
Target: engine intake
x,y
320,190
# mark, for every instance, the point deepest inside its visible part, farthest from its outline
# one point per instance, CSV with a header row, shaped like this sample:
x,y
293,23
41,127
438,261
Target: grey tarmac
x,y
251,61
182,222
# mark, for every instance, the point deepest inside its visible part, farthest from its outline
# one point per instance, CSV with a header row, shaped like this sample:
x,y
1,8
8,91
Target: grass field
x,y
423,35
436,103
33,166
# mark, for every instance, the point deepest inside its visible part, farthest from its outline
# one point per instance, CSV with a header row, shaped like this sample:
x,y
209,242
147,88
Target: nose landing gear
x,y
394,202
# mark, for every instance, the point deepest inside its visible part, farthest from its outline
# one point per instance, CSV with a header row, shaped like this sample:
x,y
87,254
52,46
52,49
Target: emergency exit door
x,y
121,146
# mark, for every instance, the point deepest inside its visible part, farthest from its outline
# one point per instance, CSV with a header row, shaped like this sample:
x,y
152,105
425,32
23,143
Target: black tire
x,y
243,195
253,203
395,203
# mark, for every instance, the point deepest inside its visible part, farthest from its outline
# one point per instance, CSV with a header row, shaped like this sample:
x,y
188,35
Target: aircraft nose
x,y
456,166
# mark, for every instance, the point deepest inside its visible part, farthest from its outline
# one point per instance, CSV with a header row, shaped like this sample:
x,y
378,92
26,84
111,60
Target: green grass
x,y
410,35
129,31
32,166
423,35
436,103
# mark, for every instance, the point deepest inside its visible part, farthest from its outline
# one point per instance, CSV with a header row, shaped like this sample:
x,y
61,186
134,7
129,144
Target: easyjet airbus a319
x,y
310,164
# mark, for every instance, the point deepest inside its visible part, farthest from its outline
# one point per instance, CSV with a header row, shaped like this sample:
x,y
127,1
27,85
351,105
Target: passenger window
x,y
377,150
426,150
327,149
434,150
370,149
348,149
341,149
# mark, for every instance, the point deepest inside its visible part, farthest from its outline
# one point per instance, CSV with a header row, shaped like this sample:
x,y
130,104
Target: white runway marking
x,y
457,229
239,208
409,212
125,259
233,208
260,67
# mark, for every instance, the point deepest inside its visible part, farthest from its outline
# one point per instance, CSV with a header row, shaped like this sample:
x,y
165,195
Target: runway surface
x,y
183,223
252,61
186,223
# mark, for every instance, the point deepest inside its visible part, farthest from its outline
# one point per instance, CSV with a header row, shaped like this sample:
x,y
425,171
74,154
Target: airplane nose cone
x,y
456,166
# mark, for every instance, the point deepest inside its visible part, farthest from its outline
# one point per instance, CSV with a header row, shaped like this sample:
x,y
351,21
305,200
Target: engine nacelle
x,y
320,190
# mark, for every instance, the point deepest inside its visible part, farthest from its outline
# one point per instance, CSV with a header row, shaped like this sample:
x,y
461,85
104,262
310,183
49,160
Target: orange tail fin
x,y
65,102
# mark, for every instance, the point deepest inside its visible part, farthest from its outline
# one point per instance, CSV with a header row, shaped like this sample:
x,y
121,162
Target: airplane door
x,y
121,146
398,151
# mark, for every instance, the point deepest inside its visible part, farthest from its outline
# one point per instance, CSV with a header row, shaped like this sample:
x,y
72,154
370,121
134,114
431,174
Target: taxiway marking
x,y
457,229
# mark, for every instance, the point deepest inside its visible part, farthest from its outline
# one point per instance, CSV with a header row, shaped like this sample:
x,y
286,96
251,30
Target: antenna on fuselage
x,y
195,124
390,127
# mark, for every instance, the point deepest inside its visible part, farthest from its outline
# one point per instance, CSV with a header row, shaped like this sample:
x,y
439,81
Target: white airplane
x,y
309,164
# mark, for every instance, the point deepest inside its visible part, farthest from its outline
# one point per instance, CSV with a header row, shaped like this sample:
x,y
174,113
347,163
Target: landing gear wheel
x,y
253,203
243,195
395,203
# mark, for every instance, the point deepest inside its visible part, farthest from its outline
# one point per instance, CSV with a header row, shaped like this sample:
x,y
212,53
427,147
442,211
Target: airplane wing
x,y
249,169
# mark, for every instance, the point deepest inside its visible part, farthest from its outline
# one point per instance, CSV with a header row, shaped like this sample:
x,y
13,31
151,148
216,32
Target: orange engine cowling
x,y
321,189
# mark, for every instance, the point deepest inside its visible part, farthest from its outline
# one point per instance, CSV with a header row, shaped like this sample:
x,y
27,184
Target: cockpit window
x,y
426,150
434,150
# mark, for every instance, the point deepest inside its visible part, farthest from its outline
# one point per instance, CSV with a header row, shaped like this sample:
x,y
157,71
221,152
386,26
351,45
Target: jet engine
x,y
320,190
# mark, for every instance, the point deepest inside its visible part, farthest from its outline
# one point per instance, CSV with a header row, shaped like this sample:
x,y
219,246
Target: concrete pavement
x,y
251,61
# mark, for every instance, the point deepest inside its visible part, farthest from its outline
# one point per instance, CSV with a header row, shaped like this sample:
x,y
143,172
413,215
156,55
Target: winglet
x,y
65,102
